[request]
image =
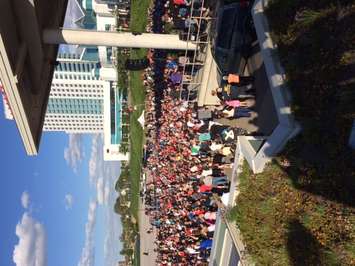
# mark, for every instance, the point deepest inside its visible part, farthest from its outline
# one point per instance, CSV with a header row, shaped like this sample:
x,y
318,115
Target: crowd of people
x,y
186,164
187,152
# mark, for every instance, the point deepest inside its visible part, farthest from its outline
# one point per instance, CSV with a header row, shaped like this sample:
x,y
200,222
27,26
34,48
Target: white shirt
x,y
211,228
206,172
215,147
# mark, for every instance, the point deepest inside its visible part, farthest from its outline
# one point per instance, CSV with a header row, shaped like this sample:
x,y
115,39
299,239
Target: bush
x,y
276,220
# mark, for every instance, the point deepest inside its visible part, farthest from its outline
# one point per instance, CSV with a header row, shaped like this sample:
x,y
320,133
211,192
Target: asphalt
x,y
146,239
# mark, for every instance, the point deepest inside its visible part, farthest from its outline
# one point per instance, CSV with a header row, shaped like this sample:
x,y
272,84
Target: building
x,y
76,94
76,102
27,63
113,110
82,102
83,98
105,13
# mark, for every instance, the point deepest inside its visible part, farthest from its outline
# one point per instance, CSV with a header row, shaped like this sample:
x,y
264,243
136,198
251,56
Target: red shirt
x,y
198,212
205,188
179,2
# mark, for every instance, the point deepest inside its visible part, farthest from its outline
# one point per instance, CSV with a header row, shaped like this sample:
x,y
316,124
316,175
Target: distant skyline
x,y
58,206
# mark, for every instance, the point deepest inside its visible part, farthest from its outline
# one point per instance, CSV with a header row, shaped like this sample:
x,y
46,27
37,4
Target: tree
x,y
127,251
119,207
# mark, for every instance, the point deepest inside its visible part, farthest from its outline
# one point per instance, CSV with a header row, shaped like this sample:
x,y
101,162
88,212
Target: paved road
x,y
146,240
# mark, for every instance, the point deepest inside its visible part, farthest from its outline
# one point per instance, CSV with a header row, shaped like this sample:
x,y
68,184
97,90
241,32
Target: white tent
x,y
225,198
141,119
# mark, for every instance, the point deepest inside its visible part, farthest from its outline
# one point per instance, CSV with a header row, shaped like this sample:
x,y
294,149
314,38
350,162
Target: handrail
x,y
194,80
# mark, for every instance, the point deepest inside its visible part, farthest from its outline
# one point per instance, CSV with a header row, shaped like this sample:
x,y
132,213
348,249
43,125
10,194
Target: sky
x,y
57,207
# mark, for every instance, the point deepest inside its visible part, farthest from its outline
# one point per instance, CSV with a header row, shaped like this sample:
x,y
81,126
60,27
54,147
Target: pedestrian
x,y
235,79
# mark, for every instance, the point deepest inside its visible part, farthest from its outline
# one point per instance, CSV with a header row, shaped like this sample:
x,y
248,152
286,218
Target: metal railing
x,y
191,79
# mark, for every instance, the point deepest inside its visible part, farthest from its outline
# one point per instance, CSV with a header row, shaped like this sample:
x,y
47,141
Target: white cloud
x,y
102,176
107,193
88,252
68,200
74,153
73,14
31,249
100,190
96,159
25,199
113,227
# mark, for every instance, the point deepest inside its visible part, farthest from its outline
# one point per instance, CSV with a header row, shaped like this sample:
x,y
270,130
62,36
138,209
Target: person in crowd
x,y
185,157
229,93
236,112
236,79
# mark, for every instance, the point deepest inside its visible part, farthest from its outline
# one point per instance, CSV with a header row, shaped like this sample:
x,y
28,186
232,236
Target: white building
x,y
81,102
76,98
113,126
105,18
82,98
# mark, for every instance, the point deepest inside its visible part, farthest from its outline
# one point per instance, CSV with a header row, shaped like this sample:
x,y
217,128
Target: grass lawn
x,y
139,15
136,137
130,177
282,225
137,94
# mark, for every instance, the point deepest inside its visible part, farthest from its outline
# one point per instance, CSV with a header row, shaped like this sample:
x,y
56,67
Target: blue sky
x,y
57,207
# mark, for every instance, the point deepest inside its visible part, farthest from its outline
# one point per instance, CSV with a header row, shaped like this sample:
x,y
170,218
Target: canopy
x,y
141,119
225,198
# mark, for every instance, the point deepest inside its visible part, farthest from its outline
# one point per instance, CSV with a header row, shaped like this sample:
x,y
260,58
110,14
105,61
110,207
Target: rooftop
x,y
26,63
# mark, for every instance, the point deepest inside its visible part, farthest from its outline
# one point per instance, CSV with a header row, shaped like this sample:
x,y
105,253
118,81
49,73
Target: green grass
x,y
122,77
137,96
136,133
282,225
135,161
139,15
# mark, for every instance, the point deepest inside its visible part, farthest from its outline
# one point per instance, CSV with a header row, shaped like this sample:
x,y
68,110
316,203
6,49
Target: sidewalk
x,y
146,240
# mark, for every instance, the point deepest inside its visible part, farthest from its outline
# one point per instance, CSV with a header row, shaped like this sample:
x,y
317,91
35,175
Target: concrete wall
x,y
287,127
